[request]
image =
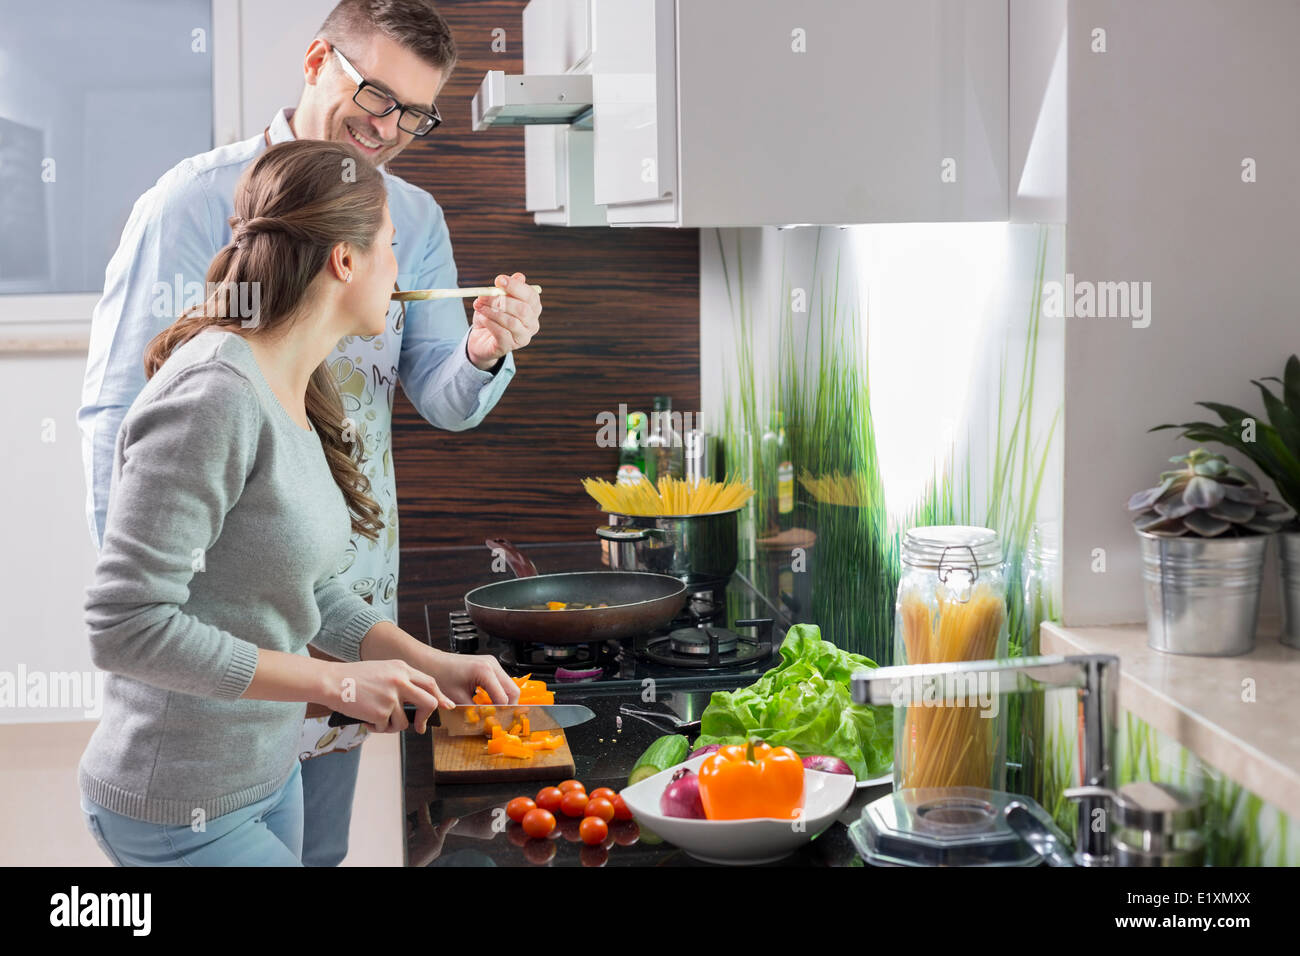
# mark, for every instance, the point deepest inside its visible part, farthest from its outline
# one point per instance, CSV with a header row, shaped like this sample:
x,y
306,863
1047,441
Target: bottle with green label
x,y
631,456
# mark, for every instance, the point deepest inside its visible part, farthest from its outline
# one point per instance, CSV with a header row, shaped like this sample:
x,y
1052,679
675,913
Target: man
x,y
371,77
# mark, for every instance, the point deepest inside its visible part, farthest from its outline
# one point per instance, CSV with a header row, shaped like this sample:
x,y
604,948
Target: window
x,y
98,98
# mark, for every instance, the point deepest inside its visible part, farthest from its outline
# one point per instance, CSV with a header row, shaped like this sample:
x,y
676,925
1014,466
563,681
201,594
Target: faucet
x,y
1095,678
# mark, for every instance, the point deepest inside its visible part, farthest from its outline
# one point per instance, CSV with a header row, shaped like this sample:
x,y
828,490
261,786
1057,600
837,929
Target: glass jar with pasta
x,y
952,606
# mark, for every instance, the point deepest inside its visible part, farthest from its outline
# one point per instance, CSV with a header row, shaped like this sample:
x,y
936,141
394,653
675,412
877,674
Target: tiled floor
x,y
41,823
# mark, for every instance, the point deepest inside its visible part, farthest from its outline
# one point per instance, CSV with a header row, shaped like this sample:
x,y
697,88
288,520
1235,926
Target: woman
x,y
235,488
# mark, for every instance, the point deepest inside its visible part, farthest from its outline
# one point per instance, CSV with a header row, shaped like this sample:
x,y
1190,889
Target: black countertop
x,y
465,825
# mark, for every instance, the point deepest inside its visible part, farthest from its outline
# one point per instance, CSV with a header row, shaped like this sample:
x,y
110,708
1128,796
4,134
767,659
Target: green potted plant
x,y
1273,444
1204,530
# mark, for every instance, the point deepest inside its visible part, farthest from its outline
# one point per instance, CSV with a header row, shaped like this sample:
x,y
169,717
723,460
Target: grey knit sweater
x,y
223,534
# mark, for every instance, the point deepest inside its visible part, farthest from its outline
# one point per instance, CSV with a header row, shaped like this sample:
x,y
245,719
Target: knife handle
x,y
343,720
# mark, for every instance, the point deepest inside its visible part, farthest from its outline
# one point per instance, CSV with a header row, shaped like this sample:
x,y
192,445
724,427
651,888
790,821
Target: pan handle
x,y
518,561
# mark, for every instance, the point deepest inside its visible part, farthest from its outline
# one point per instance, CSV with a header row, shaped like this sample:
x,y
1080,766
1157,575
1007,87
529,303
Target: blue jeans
x,y
328,783
266,833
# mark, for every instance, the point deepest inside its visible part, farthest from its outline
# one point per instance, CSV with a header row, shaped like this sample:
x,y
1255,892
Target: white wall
x,y
273,39
1159,126
47,557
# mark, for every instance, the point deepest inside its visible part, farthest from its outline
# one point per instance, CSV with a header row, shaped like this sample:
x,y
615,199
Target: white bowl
x,y
761,840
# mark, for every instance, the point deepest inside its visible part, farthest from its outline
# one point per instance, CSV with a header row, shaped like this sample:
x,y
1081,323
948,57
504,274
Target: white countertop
x,y
1200,702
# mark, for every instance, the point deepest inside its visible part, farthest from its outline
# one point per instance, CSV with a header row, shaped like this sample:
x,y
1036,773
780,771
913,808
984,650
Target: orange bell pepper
x,y
500,743
513,748
530,692
754,780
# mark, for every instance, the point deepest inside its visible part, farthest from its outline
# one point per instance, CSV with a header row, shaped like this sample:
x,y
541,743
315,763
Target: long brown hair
x,y
293,204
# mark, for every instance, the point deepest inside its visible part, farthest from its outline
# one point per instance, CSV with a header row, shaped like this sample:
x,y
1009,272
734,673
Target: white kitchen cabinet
x,y
558,158
767,112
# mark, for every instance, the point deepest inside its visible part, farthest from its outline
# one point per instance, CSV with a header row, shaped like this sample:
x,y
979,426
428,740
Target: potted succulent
x,y
1273,445
1203,531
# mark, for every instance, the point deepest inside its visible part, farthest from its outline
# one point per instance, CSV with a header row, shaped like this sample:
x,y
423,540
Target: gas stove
x,y
725,638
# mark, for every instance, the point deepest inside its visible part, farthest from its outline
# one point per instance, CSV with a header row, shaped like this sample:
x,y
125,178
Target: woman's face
x,y
369,294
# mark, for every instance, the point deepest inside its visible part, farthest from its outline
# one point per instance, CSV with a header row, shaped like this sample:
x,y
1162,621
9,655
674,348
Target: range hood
x,y
532,100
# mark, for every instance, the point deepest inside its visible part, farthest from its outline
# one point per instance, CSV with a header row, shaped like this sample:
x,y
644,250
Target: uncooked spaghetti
x,y
673,496
835,489
951,745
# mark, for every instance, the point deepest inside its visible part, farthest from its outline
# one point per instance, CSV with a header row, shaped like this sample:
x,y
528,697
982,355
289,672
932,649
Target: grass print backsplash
x,y
1000,469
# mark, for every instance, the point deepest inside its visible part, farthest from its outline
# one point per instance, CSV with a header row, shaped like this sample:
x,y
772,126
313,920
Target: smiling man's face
x,y
327,110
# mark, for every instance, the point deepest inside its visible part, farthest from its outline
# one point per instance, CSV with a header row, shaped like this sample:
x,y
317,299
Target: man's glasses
x,y
378,102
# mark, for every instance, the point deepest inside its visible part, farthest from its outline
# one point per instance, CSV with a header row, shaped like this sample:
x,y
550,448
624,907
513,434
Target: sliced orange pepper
x,y
754,780
471,715
500,742
530,692
517,749
516,728
523,726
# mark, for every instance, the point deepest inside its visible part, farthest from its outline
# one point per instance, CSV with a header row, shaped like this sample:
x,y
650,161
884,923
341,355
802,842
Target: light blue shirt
x,y
175,230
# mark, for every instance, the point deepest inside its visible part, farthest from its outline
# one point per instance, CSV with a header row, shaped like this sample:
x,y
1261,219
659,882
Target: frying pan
x,y
637,602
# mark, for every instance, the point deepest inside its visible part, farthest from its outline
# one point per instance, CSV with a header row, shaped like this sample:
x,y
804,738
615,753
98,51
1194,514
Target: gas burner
x,y
700,640
519,658
711,647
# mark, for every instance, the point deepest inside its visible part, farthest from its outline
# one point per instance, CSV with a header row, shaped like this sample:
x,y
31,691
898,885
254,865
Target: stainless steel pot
x,y
1202,594
701,550
1288,550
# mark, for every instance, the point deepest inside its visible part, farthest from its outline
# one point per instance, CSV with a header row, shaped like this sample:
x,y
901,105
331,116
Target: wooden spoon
x,y
416,295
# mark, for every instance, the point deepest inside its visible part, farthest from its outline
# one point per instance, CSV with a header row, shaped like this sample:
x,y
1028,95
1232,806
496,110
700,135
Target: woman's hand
x,y
375,691
460,674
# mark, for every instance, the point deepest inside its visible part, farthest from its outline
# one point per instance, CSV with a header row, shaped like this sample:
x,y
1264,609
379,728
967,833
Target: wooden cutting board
x,y
462,760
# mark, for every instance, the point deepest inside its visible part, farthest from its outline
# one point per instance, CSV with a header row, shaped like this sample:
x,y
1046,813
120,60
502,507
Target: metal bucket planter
x,y
1288,549
1202,594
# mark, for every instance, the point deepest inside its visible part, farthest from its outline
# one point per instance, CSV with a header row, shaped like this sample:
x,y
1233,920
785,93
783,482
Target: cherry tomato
x,y
574,803
538,823
594,830
599,792
621,810
548,798
572,785
518,808
599,807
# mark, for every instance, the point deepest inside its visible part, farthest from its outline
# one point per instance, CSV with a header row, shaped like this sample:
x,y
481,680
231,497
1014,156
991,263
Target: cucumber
x,y
663,753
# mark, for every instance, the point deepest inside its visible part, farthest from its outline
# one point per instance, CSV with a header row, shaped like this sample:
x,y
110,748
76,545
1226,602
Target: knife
x,y
455,719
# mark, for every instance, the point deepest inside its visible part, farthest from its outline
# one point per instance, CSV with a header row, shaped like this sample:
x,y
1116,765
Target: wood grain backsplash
x,y
620,323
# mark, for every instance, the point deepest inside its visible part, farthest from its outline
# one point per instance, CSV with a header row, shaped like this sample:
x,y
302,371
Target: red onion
x,y
826,764
701,751
681,798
